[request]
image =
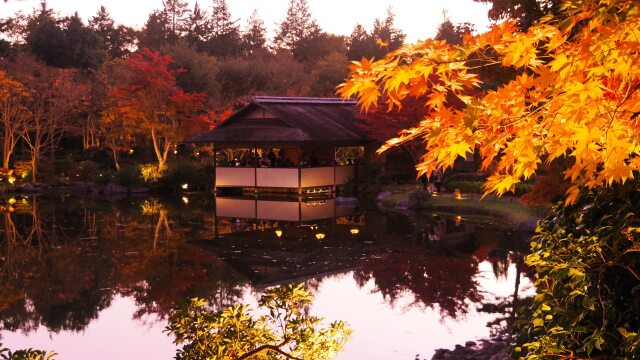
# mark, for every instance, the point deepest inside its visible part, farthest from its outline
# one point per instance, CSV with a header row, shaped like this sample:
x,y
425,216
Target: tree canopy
x,y
574,98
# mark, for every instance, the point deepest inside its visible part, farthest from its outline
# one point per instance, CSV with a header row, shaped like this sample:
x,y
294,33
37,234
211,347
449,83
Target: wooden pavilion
x,y
286,144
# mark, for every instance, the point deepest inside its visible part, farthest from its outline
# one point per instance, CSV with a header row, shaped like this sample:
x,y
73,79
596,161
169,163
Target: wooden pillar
x,y
333,161
299,182
215,168
299,170
255,174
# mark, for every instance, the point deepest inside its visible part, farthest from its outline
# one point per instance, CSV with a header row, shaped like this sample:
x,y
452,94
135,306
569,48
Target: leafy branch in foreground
x,y
574,98
27,354
285,332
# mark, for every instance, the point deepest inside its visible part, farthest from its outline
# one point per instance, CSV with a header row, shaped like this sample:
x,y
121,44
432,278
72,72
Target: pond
x,y
89,276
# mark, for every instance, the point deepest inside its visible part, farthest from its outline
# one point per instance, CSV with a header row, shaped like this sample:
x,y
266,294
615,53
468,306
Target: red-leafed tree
x,y
381,125
154,104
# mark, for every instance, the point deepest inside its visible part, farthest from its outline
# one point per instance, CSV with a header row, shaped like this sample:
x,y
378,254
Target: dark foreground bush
x,y
587,263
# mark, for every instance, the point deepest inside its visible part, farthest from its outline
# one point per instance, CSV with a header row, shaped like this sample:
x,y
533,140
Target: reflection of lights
x,y
315,203
278,233
12,201
12,179
458,220
185,199
25,174
185,186
320,236
354,231
457,194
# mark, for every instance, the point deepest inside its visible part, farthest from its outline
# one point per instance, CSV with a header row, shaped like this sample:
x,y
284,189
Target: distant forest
x,y
224,59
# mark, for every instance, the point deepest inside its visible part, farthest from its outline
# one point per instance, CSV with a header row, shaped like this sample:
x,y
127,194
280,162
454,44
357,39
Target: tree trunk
x,y
34,167
115,157
156,148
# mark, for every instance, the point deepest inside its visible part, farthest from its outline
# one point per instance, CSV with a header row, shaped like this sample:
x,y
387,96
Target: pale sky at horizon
x,y
417,18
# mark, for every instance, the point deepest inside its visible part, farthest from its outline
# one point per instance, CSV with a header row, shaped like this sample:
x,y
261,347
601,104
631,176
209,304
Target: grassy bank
x,y
509,210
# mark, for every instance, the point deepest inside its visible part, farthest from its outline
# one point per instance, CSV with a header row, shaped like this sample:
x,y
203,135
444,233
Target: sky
x,y
419,19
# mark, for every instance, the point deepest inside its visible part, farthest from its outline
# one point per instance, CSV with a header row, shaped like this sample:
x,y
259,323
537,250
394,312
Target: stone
x,y
113,188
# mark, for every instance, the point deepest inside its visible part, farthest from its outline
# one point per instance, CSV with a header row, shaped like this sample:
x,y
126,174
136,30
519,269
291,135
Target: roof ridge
x,y
302,100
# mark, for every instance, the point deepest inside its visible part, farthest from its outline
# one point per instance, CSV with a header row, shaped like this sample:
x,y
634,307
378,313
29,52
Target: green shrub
x,y
128,176
285,330
587,263
197,176
86,170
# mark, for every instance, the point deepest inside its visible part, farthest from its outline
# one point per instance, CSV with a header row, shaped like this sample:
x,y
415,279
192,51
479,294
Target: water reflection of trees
x,y
434,273
433,276
62,261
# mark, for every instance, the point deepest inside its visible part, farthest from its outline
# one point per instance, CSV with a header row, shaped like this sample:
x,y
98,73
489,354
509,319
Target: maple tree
x,y
152,102
13,115
574,97
381,125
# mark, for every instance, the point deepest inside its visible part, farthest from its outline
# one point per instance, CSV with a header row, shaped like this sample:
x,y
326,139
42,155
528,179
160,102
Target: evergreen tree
x,y
84,46
225,33
176,12
197,28
298,28
453,34
116,40
254,36
360,44
156,31
386,35
524,12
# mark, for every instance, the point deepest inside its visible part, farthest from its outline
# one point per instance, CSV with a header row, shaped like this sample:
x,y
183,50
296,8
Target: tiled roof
x,y
297,120
301,100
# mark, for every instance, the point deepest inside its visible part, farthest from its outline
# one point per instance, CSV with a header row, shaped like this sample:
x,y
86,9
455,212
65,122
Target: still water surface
x,y
96,278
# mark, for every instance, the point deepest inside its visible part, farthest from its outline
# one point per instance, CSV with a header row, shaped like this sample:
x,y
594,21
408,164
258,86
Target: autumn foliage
x,y
153,103
574,97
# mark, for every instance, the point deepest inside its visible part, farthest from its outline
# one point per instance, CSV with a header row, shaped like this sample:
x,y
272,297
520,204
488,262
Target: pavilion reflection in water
x,y
273,241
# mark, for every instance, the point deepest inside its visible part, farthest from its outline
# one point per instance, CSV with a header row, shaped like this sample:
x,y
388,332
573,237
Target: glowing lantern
x,y
457,194
458,220
12,201
185,199
355,231
278,233
185,186
320,236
